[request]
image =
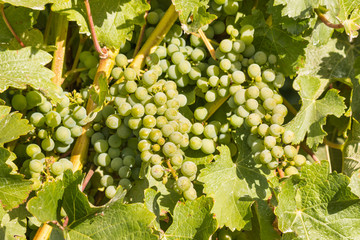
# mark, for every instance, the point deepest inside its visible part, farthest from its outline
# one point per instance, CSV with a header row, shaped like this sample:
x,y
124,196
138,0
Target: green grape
x,y
124,109
177,57
288,137
224,234
210,95
223,91
213,70
140,93
269,104
194,74
79,113
69,122
157,171
53,119
124,172
57,168
251,104
36,165
188,168
125,183
171,114
236,121
210,131
176,160
170,93
197,128
62,147
266,93
103,159
66,163
62,134
146,156
299,160
45,107
200,113
260,58
272,165
156,159
277,119
252,92
249,51
169,149
48,144
280,109
190,194
197,55
279,80
161,121
161,52
37,119
96,136
277,151
238,77
183,183
291,170
231,7
290,151
144,133
208,146
113,121
129,74
225,64
182,99
34,99
110,192
176,137
116,163
90,61
138,110
160,98
239,97
19,102
195,143
152,59
149,78
144,145
272,59
173,103
268,75
242,112
184,67
253,119
278,98
65,102
224,81
117,73
130,86
247,34
263,129
101,146
219,54
42,134
225,45
106,180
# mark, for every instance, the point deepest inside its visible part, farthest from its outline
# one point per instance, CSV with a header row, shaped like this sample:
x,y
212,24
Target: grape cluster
x,y
56,128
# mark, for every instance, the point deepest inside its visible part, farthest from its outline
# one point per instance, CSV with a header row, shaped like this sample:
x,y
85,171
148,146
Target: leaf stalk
x,y
9,26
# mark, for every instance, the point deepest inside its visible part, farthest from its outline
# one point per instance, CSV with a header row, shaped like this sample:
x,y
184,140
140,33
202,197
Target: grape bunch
x,y
56,129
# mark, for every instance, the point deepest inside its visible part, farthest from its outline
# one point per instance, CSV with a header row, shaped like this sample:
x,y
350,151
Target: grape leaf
x,y
351,154
12,126
192,220
19,68
48,202
98,94
297,8
14,189
114,21
349,16
34,4
114,221
313,112
355,99
13,223
318,205
273,39
196,10
32,37
233,186
21,19
152,203
355,183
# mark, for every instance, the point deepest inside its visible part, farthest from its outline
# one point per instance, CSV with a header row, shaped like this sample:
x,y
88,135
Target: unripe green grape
x,y
149,78
184,67
62,134
239,97
266,93
144,145
129,161
224,81
62,147
171,93
236,121
197,55
251,104
272,165
269,104
169,149
36,165
19,102
106,180
188,168
299,160
182,99
269,142
161,121
202,84
208,146
130,86
69,122
279,80
124,109
53,119
156,159
252,92
278,98
277,119
272,59
57,168
238,77
110,192
129,74
183,183
138,110
253,119
113,121
42,134
190,194
280,109
200,113
242,112
195,143
171,114
225,45
161,52
223,91
268,75
213,70
290,152
176,137
124,172
79,113
117,73
247,34
260,58
125,183
157,171
288,137
291,170
45,107
265,156
176,160
48,144
173,103
277,151
225,64
146,156
34,99
144,133
210,131
37,119
103,159
101,146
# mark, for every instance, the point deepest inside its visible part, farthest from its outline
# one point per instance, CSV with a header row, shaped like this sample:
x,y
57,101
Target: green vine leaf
x,y
14,189
233,186
192,220
114,21
267,38
13,223
34,4
351,154
317,204
25,67
313,112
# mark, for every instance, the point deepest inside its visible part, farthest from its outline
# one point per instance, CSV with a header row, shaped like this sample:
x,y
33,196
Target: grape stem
x,y
173,172
211,41
327,142
207,43
48,26
59,54
281,173
142,33
88,177
310,152
326,21
9,26
72,71
102,52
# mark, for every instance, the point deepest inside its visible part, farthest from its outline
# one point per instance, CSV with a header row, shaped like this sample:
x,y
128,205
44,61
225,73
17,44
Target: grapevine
x,y
214,119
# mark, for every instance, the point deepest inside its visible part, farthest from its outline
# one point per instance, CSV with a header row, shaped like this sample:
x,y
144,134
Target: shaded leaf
x,y
13,223
351,150
34,4
192,220
318,205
